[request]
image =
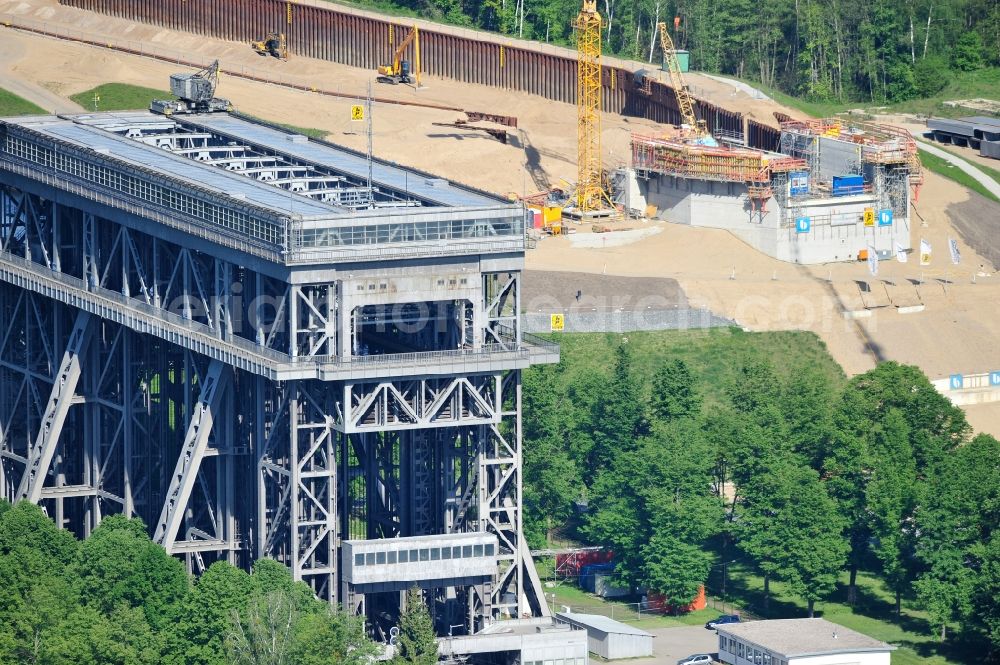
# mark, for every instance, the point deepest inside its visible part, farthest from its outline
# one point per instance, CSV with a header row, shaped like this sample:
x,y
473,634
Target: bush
x,y
967,54
930,76
899,82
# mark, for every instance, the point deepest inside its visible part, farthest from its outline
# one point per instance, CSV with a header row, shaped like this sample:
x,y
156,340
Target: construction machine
x,y
685,104
399,71
272,46
195,93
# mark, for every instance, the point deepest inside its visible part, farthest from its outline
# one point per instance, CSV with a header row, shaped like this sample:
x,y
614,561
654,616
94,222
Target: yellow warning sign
x,y
558,322
869,217
357,113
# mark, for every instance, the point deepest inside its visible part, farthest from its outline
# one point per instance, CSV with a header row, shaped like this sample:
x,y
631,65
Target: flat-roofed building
x,y
799,642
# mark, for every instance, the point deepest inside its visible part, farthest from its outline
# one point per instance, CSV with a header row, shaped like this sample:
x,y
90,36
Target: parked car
x,y
722,620
696,659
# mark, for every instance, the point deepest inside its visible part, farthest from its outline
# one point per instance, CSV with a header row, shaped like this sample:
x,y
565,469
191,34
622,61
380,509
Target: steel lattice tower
x,y
220,327
589,185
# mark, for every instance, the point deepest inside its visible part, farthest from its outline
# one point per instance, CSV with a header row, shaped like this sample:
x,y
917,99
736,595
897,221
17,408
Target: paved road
x,y
672,644
989,183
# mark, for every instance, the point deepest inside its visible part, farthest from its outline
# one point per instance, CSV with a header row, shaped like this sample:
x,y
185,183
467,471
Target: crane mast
x,y
589,186
684,102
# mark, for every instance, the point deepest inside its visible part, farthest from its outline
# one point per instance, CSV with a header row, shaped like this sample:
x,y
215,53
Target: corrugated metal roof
x,y
430,189
224,182
601,623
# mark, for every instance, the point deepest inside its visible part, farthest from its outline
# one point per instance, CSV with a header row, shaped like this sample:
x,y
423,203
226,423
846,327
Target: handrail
x,y
261,358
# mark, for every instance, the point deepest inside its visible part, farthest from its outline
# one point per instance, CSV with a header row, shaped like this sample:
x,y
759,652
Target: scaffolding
x,y
883,146
717,163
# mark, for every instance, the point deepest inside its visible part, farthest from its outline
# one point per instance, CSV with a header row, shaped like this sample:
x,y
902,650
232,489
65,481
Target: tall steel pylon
x,y
589,187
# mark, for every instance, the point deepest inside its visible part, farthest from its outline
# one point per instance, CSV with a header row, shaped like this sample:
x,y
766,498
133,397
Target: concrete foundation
x,y
834,228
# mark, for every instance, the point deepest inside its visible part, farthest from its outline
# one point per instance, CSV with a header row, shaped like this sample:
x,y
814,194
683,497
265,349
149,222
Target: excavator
x,y
195,93
399,71
272,46
684,102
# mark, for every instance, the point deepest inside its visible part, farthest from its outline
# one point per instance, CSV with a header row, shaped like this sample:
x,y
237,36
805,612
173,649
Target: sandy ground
x,y
957,332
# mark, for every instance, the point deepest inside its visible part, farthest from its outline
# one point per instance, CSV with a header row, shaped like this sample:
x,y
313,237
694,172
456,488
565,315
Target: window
x,y
359,559
435,553
758,657
489,549
767,659
424,554
380,558
402,556
445,552
413,556
740,653
456,552
392,557
370,559
478,550
467,551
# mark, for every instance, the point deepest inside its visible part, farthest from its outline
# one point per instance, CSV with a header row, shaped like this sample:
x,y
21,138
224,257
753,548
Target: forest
x,y
866,51
117,598
803,474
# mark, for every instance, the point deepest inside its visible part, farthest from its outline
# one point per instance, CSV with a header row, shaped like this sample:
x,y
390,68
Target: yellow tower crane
x,y
589,186
684,102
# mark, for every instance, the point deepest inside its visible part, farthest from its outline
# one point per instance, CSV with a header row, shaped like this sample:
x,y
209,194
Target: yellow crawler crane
x,y
590,193
684,102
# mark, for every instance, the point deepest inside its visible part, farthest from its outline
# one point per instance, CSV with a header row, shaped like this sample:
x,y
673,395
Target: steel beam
x,y
193,450
56,410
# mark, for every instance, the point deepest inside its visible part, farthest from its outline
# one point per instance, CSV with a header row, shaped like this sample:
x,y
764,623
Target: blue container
x,y
846,185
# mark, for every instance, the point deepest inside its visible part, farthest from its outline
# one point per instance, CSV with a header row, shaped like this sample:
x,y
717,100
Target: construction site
x,y
836,190
364,426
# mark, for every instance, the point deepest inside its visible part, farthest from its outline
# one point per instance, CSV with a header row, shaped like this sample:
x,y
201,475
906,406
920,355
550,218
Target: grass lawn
x,y
945,169
873,614
713,355
11,104
119,97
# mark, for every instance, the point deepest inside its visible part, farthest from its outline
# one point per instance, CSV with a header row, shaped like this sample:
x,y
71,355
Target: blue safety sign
x,y
995,378
802,224
885,217
955,381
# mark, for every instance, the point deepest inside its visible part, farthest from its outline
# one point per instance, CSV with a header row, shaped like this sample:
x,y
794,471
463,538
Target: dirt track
x,y
978,224
599,292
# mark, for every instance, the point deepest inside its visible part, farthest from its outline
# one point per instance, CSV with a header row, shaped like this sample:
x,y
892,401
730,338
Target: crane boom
x,y
398,71
684,102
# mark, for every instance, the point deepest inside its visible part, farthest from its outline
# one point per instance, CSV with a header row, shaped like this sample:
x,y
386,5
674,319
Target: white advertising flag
x,y
872,261
956,256
925,252
901,253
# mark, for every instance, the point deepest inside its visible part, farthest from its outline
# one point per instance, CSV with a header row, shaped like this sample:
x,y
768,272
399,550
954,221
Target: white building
x,y
608,638
798,642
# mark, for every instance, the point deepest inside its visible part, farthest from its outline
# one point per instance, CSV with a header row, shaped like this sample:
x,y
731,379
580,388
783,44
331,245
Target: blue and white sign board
x,y
955,381
802,224
885,217
995,378
798,183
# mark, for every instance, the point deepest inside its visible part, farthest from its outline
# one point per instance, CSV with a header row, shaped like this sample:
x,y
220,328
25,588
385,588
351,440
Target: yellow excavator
x,y
399,71
274,46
